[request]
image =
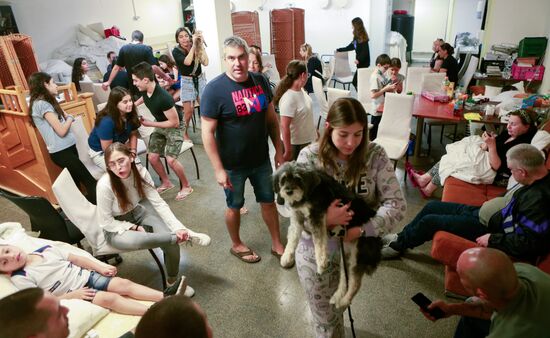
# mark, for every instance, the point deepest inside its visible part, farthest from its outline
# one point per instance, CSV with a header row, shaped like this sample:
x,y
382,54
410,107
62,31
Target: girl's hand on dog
x,y
338,214
352,234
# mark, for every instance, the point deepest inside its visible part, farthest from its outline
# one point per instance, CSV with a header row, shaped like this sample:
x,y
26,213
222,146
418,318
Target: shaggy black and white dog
x,y
309,192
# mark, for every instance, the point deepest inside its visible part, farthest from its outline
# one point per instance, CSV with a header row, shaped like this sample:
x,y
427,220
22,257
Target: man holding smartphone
x,y
511,299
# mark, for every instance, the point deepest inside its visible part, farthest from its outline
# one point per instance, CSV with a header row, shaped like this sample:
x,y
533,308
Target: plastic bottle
x,y
445,85
459,102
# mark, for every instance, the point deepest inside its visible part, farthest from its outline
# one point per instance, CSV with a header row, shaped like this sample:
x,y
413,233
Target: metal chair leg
x,y
196,164
161,268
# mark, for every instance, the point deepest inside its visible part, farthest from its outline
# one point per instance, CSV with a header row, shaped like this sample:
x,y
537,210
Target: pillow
x,y
84,40
82,315
98,28
6,286
541,139
89,32
519,86
491,91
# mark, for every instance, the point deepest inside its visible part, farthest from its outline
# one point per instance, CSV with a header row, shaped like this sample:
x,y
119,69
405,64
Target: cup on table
x,y
489,110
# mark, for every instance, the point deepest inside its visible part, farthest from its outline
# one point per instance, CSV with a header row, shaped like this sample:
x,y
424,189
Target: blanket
x,y
466,161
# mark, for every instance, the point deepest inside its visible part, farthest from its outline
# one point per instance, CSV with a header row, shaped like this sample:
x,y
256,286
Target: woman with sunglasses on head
x,y
344,152
132,214
55,127
521,128
189,55
117,122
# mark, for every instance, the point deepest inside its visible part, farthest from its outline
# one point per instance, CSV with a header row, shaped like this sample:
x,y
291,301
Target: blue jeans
x,y
98,282
260,178
459,219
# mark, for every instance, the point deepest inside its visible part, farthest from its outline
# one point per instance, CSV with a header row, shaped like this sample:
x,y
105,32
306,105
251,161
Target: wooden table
x,y
424,108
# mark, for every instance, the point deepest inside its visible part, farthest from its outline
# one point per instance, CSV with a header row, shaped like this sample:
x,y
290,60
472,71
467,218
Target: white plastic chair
x,y
334,94
327,61
342,70
432,82
414,79
145,133
395,127
272,73
85,217
100,95
319,93
467,77
363,87
81,136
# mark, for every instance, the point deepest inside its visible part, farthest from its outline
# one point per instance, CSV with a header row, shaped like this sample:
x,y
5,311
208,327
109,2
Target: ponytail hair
x,y
293,71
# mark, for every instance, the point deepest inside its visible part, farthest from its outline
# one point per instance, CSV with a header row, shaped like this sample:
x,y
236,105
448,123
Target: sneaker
x,y
388,253
386,240
189,292
175,288
198,238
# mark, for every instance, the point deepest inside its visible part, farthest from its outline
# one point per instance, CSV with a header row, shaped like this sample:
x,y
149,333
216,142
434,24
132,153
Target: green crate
x,y
532,47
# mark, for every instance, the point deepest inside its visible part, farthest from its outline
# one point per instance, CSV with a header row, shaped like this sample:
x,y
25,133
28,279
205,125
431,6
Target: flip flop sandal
x,y
182,194
162,189
243,254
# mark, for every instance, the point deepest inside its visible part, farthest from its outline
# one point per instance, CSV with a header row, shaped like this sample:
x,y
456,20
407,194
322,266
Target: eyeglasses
x,y
118,163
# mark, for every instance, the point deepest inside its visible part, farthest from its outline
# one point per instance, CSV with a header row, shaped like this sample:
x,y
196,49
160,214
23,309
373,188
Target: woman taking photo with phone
x,y
132,214
117,122
189,55
54,126
345,153
295,107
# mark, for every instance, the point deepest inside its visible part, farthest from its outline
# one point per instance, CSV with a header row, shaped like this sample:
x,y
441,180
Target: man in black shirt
x,y
129,56
167,137
237,116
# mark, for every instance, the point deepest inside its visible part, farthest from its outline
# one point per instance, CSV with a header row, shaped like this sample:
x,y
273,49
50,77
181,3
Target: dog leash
x,y
347,283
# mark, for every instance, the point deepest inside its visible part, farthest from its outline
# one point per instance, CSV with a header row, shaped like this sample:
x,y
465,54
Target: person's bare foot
x,y
429,189
164,187
251,257
278,248
422,180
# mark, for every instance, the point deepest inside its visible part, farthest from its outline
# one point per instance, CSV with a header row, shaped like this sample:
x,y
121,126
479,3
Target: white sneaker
x,y
189,291
198,238
386,240
388,253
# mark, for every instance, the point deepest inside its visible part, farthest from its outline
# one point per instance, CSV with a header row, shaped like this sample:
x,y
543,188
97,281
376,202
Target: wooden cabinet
x,y
25,164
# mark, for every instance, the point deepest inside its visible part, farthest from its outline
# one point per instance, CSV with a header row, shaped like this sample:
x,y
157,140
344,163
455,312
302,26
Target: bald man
x,y
515,297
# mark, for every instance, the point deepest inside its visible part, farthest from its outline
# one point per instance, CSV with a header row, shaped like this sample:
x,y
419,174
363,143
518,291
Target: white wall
x,y
527,20
325,29
464,19
430,23
53,23
213,19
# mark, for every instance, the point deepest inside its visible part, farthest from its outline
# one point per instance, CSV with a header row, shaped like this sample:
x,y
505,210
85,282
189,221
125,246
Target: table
x,y
424,108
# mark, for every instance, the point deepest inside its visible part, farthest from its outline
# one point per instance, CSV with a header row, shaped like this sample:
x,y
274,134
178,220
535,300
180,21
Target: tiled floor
x,y
264,300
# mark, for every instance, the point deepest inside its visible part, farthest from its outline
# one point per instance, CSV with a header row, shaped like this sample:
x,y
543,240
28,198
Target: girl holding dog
x,y
297,127
344,151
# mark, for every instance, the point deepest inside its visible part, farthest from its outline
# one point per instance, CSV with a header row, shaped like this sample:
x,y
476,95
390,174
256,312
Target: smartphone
x,y
421,300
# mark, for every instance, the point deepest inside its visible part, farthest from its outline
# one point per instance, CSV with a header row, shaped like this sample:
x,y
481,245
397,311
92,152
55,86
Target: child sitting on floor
x,y
70,276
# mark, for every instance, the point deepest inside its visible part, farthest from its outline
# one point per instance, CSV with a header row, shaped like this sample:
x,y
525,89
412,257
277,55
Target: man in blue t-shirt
x,y
237,117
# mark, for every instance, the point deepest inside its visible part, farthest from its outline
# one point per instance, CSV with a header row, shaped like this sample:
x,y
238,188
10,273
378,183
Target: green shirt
x,y
528,315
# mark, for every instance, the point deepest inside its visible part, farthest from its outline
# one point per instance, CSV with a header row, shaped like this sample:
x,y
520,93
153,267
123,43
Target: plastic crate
x,y
527,73
532,47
